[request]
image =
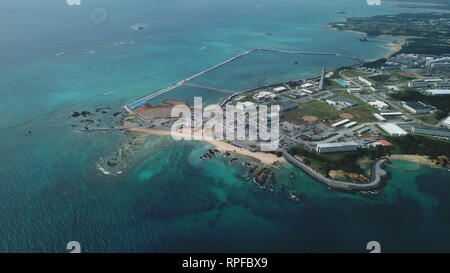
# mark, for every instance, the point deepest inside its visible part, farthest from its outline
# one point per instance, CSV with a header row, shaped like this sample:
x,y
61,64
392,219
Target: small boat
x,y
369,193
246,176
294,196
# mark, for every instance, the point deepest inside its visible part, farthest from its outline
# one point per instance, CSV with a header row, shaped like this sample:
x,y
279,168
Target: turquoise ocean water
x,y
169,200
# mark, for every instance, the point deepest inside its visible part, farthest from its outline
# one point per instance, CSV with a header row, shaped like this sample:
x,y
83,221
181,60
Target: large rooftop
x,y
392,129
338,144
438,92
418,105
342,99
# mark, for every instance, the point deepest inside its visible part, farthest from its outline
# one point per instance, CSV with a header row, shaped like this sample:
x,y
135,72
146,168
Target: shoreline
x,y
424,160
392,48
265,158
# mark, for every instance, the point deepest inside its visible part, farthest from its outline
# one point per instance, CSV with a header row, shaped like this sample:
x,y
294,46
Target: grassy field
x,y
346,94
430,118
353,73
248,98
393,78
361,113
404,77
317,109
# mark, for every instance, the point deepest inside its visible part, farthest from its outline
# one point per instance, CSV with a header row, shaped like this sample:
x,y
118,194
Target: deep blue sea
x,y
56,59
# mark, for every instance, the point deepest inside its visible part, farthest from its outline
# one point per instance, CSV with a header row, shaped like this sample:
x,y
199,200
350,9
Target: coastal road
x,y
377,174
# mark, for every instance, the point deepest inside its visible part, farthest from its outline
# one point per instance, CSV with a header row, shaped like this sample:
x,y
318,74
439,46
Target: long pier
x,y
184,81
232,96
311,53
376,180
113,128
209,88
143,100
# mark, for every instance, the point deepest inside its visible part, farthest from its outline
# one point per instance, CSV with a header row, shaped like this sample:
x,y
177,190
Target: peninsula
x,y
395,106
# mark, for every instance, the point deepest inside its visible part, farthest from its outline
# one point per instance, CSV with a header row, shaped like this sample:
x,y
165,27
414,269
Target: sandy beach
x,y
393,47
415,158
265,158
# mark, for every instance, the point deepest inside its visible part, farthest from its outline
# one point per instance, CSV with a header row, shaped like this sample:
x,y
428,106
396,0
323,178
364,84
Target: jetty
x,y
209,88
377,173
185,82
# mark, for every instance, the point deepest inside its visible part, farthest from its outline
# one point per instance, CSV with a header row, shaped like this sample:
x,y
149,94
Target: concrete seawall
x,y
376,180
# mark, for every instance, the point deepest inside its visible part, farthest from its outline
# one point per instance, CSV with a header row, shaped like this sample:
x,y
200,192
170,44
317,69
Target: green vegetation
x,y
426,46
442,104
347,162
337,71
317,109
381,79
326,163
435,4
376,64
353,73
398,25
404,77
248,98
362,113
420,145
323,112
430,118
331,84
429,32
392,78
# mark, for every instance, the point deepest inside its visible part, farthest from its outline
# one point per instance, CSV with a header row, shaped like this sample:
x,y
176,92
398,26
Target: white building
x,y
307,91
441,62
377,116
350,124
392,129
380,105
339,123
433,80
341,101
307,85
390,114
418,84
366,81
354,90
437,92
446,122
337,147
280,89
265,95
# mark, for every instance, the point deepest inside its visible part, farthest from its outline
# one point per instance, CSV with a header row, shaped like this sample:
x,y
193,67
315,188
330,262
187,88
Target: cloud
x,y
73,2
374,2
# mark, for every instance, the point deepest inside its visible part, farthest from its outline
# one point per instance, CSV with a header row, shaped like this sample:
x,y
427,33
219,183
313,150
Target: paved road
x,y
375,182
